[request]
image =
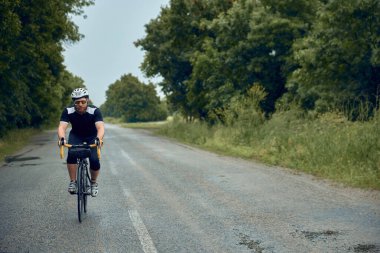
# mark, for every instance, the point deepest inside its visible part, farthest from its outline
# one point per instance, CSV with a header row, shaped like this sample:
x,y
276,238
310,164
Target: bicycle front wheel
x,y
81,191
86,187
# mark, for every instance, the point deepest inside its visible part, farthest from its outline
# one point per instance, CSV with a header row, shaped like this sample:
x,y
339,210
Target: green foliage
x,y
171,41
189,132
339,60
254,41
328,146
208,52
244,113
219,65
133,101
242,116
317,54
31,62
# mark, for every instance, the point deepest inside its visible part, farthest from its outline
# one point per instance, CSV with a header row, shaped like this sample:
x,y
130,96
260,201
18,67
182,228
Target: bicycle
x,y
82,152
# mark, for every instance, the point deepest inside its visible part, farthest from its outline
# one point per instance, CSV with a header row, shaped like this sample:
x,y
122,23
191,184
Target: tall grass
x,y
327,146
190,132
140,125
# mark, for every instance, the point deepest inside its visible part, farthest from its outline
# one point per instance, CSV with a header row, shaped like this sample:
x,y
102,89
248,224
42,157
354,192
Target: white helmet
x,y
79,93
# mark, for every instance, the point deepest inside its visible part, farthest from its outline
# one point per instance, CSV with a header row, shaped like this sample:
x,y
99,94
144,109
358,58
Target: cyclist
x,y
86,126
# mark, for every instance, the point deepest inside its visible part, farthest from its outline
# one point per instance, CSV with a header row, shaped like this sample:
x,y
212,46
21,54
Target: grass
x,y
328,147
144,125
14,140
140,125
112,120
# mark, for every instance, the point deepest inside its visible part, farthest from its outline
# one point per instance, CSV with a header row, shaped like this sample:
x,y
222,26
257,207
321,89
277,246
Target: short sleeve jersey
x,y
82,124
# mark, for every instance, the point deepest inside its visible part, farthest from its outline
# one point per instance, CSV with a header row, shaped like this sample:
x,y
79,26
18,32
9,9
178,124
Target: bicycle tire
x,y
80,192
86,186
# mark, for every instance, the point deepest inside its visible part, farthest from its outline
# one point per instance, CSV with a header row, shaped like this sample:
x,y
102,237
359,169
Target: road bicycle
x,y
82,152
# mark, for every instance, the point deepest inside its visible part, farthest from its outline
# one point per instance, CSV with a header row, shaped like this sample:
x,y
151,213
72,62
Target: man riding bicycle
x,y
86,126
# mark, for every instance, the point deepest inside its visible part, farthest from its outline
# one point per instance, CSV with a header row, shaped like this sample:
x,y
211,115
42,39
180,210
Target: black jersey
x,y
83,124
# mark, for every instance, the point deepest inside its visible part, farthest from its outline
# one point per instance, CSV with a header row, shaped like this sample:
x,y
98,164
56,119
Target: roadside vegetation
x,y
295,85
14,140
133,101
328,146
34,83
153,125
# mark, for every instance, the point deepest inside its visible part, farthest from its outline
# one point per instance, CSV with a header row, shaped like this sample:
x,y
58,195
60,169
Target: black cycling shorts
x,y
76,140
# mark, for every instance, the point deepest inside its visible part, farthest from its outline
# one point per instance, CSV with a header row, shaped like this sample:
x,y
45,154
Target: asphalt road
x,y
157,195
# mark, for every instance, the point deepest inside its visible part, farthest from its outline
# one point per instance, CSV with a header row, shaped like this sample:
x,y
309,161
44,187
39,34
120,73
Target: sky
x,y
107,51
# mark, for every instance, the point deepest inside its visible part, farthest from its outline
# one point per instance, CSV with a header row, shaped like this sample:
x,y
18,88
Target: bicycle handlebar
x,y
61,150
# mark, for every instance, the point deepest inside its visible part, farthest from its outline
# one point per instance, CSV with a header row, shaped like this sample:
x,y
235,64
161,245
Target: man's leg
x,y
94,184
94,165
94,175
72,168
94,170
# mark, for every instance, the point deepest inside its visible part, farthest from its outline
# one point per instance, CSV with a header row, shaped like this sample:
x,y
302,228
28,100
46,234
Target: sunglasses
x,y
83,102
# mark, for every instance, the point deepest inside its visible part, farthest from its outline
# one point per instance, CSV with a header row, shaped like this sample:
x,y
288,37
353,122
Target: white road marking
x,y
143,234
128,157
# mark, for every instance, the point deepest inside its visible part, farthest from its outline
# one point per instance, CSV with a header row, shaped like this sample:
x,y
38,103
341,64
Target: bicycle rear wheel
x,y
81,192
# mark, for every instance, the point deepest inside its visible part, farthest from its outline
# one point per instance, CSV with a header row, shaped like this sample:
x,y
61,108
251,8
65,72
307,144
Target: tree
x,y
31,62
133,101
219,66
250,43
170,42
340,59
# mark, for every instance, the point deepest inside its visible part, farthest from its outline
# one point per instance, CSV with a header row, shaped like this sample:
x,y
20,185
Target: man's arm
x,y
62,129
100,127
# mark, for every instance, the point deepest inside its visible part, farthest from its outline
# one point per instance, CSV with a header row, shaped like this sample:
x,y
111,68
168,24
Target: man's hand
x,y
98,142
61,142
